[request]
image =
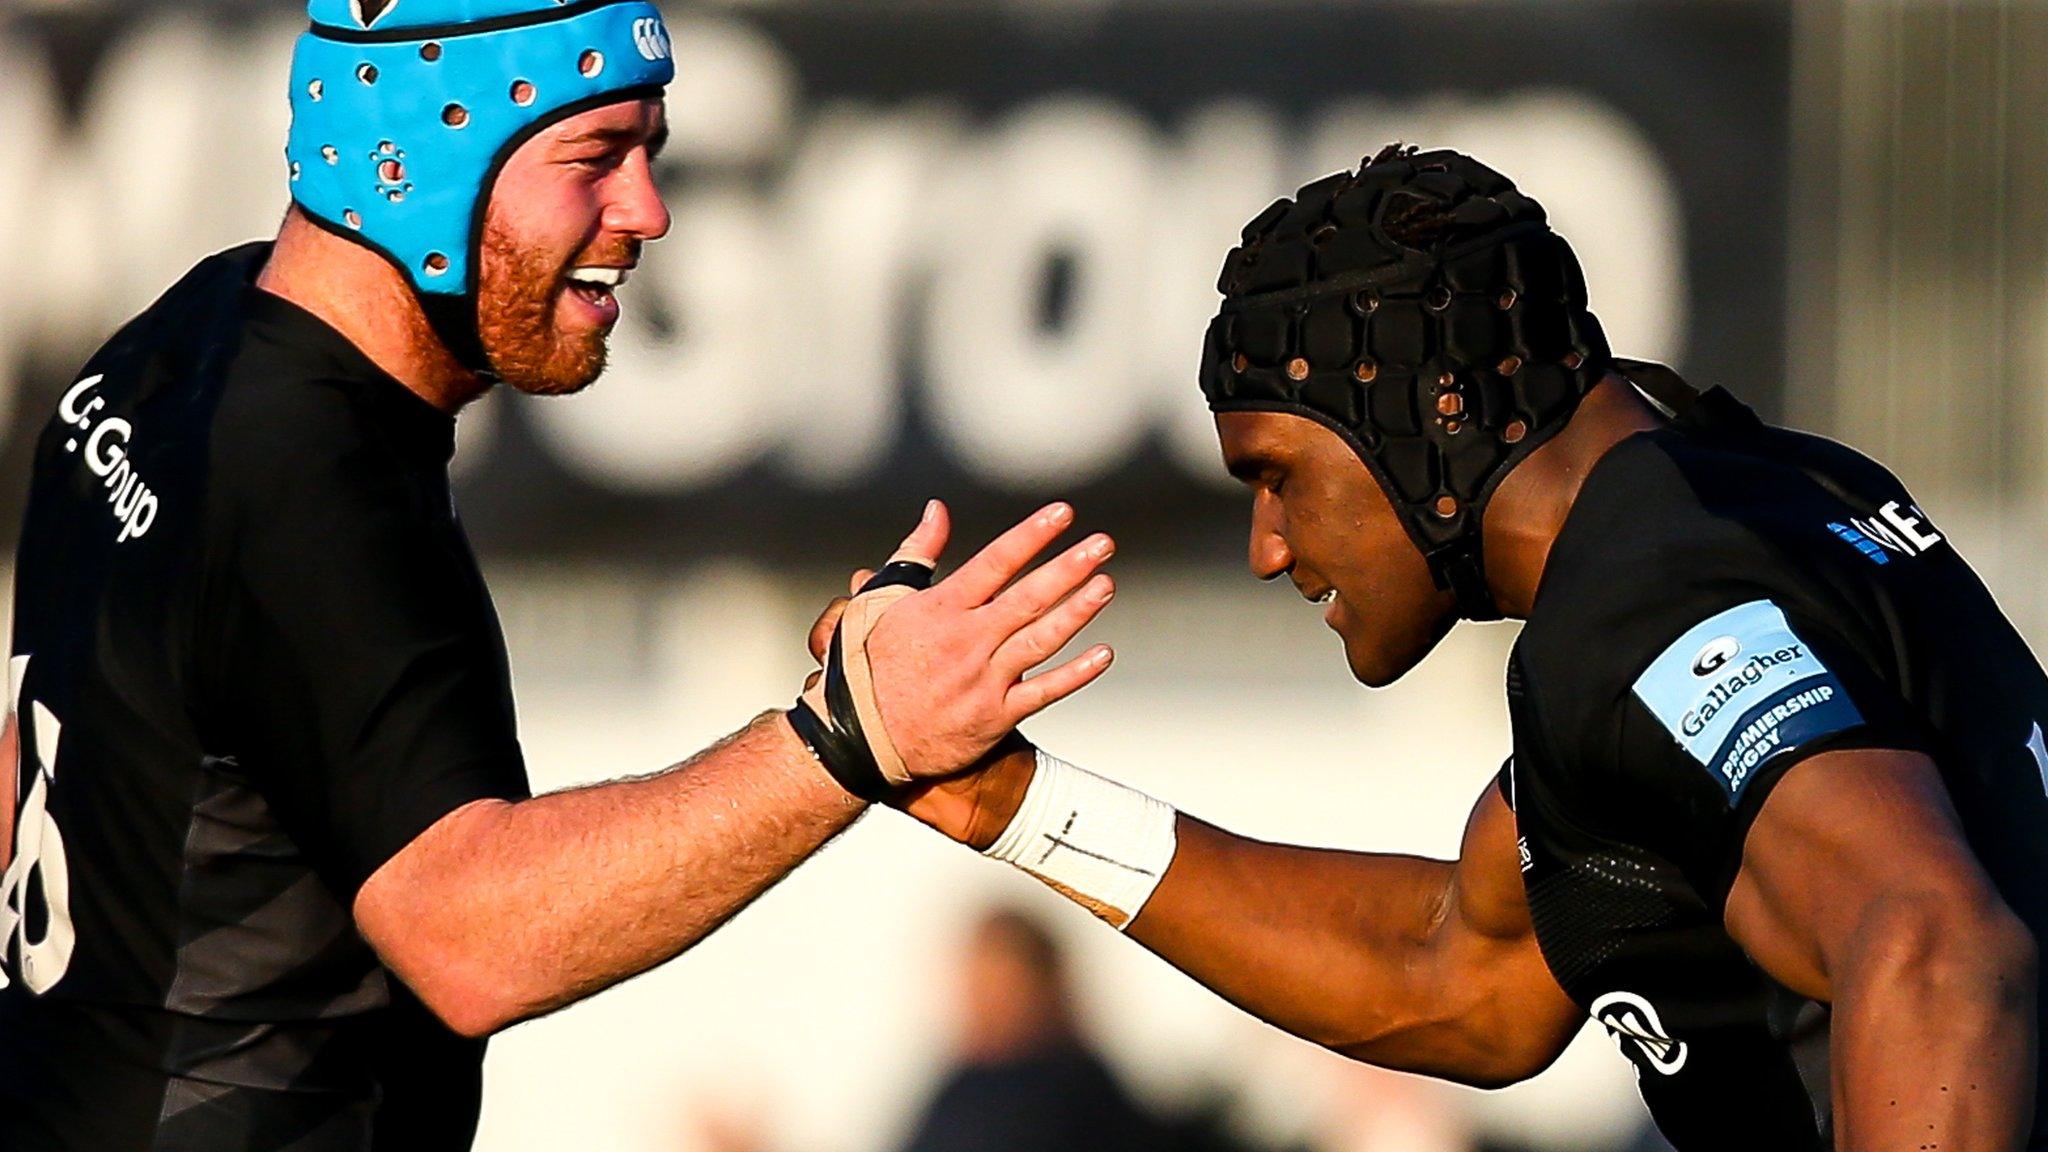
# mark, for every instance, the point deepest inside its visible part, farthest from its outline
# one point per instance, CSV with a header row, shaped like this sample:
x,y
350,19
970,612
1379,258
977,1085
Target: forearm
x,y
508,911
1376,956
1331,946
1963,1006
504,911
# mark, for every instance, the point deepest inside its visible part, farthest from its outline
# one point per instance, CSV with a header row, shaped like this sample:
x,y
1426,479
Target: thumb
x,y
821,632
928,540
860,578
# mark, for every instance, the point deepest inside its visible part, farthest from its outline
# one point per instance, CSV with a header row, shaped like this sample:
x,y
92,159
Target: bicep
x,y
1427,966
1845,840
1488,945
1486,892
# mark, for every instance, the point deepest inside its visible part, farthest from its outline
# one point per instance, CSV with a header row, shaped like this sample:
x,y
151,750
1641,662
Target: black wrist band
x,y
845,759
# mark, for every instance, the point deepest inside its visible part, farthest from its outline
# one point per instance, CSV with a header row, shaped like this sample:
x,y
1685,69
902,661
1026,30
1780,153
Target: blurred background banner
x,y
942,248
968,248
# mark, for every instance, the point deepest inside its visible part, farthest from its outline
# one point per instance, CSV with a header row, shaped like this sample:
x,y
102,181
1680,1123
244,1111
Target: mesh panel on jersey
x,y
1586,910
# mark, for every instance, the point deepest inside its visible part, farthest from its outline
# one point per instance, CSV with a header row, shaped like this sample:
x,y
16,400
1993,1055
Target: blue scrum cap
x,y
404,110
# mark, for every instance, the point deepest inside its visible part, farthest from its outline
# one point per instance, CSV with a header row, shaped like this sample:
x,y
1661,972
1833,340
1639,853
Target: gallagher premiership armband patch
x,y
1740,688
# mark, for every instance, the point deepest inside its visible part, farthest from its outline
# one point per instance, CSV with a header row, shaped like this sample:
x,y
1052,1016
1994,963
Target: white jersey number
x,y
38,869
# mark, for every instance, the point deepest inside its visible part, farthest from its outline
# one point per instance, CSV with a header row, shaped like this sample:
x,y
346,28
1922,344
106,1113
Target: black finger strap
x,y
837,739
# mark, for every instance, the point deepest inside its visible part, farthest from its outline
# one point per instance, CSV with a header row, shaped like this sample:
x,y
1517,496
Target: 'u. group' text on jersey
x,y
252,659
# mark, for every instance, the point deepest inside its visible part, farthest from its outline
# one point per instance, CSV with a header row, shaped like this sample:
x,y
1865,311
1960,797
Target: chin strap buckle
x,y
1458,570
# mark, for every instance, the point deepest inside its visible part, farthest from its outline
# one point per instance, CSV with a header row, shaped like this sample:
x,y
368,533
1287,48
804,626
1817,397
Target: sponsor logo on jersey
x,y
1725,689
1896,530
1871,549
1741,687
1716,655
105,443
651,38
1634,1024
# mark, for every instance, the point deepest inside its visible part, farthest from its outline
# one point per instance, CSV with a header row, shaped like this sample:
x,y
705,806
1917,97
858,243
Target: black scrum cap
x,y
1422,309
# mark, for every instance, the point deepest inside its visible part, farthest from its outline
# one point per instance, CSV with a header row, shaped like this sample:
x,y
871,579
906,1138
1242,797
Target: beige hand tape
x,y
863,612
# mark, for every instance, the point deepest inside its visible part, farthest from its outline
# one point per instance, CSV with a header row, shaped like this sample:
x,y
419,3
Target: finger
x,y
927,541
1042,691
1050,583
860,577
821,631
1041,639
1000,562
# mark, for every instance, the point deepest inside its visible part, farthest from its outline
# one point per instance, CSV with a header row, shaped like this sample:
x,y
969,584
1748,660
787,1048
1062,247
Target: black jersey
x,y
1725,600
253,658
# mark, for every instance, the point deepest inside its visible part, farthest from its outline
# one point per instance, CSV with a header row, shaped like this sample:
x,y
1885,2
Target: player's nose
x,y
1268,554
637,208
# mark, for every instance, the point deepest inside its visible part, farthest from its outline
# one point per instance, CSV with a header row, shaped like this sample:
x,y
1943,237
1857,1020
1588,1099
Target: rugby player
x,y
1777,810
273,869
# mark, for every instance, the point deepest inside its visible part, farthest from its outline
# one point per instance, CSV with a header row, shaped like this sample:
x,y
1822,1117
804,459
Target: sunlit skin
x,y
502,911
10,766
1320,519
580,193
1857,888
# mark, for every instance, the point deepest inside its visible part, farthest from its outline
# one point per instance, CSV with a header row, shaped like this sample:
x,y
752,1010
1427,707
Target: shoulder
x,y
1670,529
1680,558
304,415
310,475
1635,565
270,416
289,447
261,395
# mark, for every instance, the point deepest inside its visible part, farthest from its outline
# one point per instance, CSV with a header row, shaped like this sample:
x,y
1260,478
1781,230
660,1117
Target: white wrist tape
x,y
1102,845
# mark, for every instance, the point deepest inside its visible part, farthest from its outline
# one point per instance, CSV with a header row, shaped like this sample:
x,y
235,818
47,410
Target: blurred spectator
x,y
727,1122
1380,1111
1024,1080
1645,1139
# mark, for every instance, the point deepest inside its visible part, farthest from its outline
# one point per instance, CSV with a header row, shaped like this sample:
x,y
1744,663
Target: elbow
x,y
1507,1075
474,1021
467,1009
2010,964
1487,1078
1958,955
1501,1065
1473,1062
461,986
1474,1049
460,975
435,927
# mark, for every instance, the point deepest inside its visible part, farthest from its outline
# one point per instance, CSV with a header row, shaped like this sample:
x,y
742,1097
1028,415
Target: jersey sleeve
x,y
360,681
1683,746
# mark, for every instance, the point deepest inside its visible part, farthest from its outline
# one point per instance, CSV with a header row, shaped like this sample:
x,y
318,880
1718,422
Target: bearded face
x,y
544,328
562,232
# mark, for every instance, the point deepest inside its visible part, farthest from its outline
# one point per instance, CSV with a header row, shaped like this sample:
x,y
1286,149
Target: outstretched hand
x,y
949,664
